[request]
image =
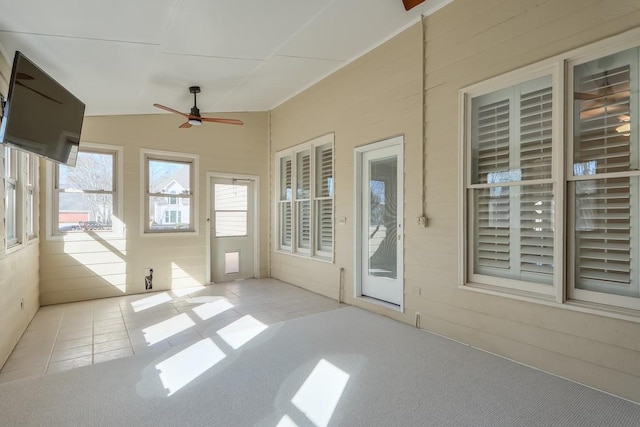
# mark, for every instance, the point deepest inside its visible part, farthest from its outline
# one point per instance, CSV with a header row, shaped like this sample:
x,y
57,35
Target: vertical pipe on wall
x,y
423,216
270,181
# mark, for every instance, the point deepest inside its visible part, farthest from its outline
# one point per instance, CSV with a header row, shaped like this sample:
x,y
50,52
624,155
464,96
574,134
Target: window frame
x,y
52,200
13,174
573,292
566,295
147,155
32,201
281,202
510,80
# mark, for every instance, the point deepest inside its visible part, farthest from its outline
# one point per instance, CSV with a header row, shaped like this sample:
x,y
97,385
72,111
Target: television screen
x,y
41,116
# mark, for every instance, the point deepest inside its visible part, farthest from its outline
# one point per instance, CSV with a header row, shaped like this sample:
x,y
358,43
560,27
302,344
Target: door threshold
x,y
385,304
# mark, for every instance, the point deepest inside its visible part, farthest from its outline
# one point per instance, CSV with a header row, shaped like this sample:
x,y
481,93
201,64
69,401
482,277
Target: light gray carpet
x,y
358,369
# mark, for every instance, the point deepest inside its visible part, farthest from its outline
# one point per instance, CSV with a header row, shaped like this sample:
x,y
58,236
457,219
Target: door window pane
x,y
231,204
383,222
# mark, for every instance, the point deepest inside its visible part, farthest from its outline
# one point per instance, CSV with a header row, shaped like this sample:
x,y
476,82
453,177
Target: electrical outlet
x,y
148,279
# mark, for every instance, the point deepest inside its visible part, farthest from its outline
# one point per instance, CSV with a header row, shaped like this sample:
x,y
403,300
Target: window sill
x,y
79,236
15,247
176,233
573,305
305,256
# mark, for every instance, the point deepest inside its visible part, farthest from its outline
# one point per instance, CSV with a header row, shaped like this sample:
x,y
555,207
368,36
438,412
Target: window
x,y
85,195
231,209
552,217
169,182
304,203
603,185
12,182
511,194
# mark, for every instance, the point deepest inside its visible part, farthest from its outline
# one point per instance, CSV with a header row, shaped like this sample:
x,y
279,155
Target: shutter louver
x,y
603,206
492,139
324,202
285,202
492,204
536,230
285,214
303,205
605,110
304,224
536,201
535,134
492,228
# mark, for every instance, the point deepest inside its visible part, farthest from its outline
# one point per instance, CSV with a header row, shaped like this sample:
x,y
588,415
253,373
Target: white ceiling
x,y
121,56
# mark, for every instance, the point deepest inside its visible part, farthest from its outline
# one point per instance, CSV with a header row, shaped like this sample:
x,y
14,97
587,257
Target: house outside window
x,y
304,200
169,182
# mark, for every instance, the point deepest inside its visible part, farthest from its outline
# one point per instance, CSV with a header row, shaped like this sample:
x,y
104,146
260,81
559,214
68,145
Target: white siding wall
x,y
82,267
18,270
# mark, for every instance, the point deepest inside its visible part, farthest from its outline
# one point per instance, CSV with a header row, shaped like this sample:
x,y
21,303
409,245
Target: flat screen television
x,y
41,116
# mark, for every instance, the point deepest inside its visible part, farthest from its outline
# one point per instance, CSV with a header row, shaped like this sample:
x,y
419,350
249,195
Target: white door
x,y
380,236
232,229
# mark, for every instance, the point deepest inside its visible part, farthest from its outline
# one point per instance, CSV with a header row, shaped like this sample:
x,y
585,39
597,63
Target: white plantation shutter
x,y
493,139
536,201
511,144
606,207
536,231
535,134
304,223
284,203
492,204
492,235
324,198
303,203
305,199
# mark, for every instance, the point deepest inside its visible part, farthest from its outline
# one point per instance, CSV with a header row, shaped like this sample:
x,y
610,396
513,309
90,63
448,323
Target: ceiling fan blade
x,y
410,4
584,96
185,125
226,121
162,107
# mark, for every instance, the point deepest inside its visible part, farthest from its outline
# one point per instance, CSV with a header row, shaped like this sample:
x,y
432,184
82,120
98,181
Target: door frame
x,y
256,219
358,209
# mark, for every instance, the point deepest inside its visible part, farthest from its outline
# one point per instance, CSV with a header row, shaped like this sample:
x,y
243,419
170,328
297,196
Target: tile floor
x,y
67,336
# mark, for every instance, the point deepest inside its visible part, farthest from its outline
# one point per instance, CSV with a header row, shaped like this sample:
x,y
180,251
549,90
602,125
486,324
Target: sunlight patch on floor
x,y
241,331
181,292
187,365
211,309
165,329
320,393
150,301
286,422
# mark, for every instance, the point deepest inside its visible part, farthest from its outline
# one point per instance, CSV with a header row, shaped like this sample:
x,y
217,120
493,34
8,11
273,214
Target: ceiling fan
x,y
194,118
410,4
